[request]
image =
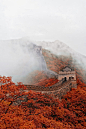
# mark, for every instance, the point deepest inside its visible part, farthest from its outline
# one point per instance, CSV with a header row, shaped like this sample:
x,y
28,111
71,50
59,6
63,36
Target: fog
x,y
45,20
18,58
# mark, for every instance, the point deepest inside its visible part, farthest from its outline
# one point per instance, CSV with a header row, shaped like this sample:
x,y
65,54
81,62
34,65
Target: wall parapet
x,y
57,90
43,88
69,72
66,87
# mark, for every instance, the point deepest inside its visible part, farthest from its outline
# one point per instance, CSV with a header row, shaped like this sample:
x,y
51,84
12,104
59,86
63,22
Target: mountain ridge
x,y
18,58
58,48
22,56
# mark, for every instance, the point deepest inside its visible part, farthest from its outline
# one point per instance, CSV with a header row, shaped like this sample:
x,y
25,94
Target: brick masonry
x,y
58,90
67,80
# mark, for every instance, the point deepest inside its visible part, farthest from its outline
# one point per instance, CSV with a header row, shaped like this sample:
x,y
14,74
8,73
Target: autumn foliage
x,y
23,109
47,82
57,63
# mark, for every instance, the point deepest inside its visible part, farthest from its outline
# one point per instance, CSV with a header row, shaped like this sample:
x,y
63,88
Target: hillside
x,y
27,109
23,109
56,63
19,58
29,62
58,55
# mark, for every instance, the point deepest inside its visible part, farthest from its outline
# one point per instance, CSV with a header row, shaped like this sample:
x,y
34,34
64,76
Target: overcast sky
x,y
45,20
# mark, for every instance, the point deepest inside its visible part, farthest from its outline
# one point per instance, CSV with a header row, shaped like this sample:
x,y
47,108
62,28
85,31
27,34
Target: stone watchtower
x,y
67,74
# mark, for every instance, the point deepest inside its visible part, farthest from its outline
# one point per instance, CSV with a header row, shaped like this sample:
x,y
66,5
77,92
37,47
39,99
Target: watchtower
x,y
67,74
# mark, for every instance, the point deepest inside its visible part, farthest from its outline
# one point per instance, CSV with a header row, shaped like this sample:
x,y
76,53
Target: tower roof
x,y
66,69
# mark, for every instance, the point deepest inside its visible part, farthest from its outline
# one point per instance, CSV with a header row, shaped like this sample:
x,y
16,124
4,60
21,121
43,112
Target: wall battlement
x,y
67,80
58,90
72,72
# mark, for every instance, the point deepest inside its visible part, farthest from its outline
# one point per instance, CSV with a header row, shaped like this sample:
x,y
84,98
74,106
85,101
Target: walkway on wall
x,y
56,86
58,90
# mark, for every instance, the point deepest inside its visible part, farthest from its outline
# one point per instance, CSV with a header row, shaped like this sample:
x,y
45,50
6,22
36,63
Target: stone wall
x,y
67,80
58,90
67,75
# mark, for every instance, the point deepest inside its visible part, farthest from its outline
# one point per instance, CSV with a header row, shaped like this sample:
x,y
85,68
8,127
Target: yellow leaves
x,y
5,103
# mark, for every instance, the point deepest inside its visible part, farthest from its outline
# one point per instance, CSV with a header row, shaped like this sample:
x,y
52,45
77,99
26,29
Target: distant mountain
x,y
58,55
28,62
58,48
19,58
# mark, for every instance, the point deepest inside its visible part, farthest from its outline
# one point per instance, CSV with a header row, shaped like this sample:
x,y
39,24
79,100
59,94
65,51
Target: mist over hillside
x,y
18,58
57,52
58,48
21,59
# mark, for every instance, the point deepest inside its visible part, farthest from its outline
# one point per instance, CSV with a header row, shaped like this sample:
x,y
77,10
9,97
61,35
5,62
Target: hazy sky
x,y
46,20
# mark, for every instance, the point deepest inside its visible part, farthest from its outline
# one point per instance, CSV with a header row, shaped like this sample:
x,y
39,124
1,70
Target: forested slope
x,y
22,109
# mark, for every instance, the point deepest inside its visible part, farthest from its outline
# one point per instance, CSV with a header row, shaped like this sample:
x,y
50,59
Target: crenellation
x,y
67,80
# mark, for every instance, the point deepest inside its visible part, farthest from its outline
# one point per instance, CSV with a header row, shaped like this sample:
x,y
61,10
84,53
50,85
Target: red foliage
x,y
47,82
30,110
56,63
75,101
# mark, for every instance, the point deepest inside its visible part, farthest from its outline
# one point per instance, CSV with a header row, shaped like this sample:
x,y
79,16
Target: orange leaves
x,y
75,101
23,110
47,82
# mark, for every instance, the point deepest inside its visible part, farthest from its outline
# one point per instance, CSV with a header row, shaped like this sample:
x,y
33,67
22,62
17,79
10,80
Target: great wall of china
x,y
67,80
58,90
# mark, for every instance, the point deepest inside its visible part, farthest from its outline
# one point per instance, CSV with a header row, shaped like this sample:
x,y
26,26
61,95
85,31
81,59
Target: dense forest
x,y
23,109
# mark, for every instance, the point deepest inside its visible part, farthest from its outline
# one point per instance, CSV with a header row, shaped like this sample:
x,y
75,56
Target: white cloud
x,y
45,20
